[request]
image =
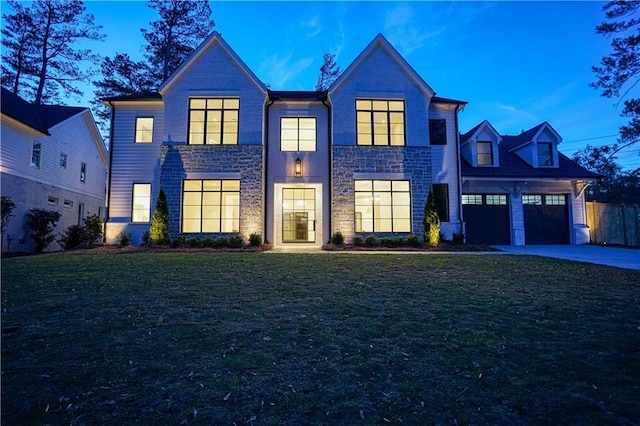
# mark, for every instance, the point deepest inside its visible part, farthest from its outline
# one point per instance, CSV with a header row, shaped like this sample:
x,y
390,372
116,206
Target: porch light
x,y
298,168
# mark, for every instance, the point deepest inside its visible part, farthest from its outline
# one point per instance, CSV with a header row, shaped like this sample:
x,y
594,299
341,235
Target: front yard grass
x,y
293,339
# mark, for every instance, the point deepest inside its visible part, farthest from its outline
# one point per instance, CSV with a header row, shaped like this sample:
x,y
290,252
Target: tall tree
x,y
619,72
18,55
181,28
329,71
48,56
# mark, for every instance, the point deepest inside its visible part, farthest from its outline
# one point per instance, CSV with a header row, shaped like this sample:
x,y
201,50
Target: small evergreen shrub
x,y
236,241
370,241
358,241
92,229
458,238
72,237
178,241
194,242
337,238
208,242
255,240
413,241
124,239
42,222
221,242
146,238
159,230
430,221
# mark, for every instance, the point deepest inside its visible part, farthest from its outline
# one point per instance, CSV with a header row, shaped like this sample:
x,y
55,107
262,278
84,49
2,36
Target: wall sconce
x,y
298,168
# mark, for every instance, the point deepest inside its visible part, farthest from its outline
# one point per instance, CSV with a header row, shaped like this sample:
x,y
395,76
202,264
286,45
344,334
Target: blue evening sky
x,y
516,63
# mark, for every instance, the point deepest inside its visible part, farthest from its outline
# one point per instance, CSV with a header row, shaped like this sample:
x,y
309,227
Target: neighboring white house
x,y
52,157
293,166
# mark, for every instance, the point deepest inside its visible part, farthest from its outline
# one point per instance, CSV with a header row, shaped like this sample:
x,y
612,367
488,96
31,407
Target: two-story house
x,y
53,158
293,166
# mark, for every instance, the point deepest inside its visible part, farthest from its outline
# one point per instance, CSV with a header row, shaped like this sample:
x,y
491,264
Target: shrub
x,y
370,241
146,238
458,238
42,222
255,239
337,238
7,212
221,242
179,241
413,241
92,229
72,237
358,241
431,221
236,241
124,239
208,242
159,230
194,242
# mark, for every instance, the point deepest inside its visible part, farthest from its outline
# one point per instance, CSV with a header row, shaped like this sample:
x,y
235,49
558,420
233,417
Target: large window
x,y
141,202
383,206
438,132
36,152
144,130
210,206
380,122
484,153
298,134
441,197
213,121
545,155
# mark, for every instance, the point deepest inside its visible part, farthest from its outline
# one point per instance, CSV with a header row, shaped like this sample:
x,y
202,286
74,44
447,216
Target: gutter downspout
x,y
327,103
108,212
266,163
459,173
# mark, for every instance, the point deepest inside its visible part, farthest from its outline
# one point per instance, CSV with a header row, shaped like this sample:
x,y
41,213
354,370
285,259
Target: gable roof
x,y
38,117
471,133
512,166
214,37
380,42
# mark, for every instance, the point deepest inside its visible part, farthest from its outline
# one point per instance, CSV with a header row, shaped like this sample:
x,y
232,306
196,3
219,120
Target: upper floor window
x,y
380,122
83,172
36,152
298,134
545,154
382,206
210,205
144,129
141,202
438,131
213,121
484,153
63,160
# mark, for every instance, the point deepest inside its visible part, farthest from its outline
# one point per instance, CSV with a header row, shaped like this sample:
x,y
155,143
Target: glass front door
x,y
298,215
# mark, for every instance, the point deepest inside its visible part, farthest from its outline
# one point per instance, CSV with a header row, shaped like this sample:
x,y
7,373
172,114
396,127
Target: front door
x,y
298,215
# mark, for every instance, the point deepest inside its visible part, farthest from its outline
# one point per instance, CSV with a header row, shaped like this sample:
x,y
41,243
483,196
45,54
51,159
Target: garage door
x,y
487,218
546,219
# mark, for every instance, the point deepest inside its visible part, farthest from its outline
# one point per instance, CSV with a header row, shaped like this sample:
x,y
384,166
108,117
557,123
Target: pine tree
x,y
430,221
159,230
329,72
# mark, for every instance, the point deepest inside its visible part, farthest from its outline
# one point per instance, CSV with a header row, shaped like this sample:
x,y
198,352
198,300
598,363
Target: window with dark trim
x,y
380,122
438,131
144,130
382,206
213,121
210,205
484,153
545,154
441,197
36,152
83,172
141,202
297,134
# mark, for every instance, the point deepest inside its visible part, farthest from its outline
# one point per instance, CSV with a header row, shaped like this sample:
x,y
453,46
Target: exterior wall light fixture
x,y
298,168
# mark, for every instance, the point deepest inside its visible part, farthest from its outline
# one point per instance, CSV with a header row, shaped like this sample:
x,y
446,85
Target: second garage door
x,y
546,219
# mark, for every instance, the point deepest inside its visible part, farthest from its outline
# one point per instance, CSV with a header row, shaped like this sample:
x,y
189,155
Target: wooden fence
x,y
614,223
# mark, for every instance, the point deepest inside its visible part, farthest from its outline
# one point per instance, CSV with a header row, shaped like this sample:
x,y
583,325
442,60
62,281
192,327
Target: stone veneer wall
x,y
215,162
414,162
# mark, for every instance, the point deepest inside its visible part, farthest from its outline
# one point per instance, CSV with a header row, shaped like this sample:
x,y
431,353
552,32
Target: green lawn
x,y
292,339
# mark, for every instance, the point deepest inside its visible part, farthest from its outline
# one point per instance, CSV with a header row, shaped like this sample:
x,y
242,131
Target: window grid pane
x,y
485,154
555,200
469,199
144,130
141,202
545,157
297,134
496,200
380,122
213,121
36,150
438,132
532,199
211,205
382,206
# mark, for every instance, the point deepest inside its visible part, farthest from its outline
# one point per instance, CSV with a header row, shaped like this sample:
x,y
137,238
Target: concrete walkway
x,y
628,258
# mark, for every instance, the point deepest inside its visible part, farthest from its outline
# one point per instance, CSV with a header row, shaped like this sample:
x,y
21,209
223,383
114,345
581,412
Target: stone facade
x,y
244,162
349,162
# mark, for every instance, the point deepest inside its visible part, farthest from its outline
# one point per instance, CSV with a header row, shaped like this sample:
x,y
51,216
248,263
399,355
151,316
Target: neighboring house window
x,y
213,121
141,202
441,197
484,153
380,122
36,152
63,160
471,199
438,131
83,172
297,134
210,206
144,129
382,206
545,154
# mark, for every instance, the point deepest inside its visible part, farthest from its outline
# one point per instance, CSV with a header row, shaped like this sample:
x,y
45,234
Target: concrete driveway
x,y
628,258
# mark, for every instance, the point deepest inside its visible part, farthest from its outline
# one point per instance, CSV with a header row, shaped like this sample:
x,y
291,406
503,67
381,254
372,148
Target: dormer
x,y
538,146
479,146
